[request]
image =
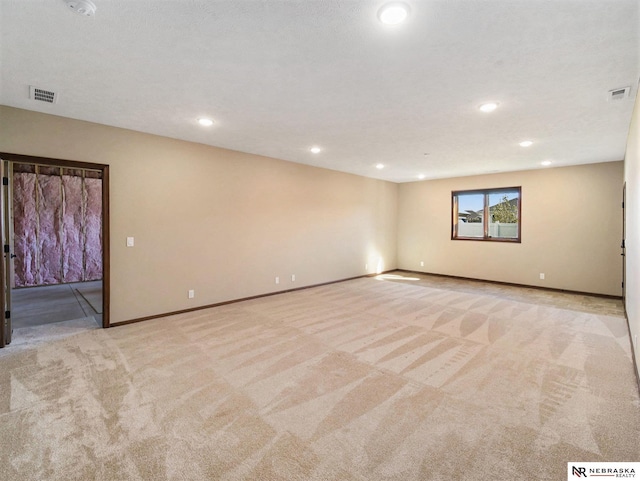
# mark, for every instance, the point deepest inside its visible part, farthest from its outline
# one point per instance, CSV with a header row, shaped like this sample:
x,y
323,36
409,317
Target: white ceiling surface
x,y
279,77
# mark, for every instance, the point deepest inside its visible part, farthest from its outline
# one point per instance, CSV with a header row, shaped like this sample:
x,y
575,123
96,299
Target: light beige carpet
x,y
362,380
31,336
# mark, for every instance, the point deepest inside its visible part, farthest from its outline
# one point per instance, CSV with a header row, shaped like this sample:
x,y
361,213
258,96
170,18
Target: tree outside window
x,y
490,214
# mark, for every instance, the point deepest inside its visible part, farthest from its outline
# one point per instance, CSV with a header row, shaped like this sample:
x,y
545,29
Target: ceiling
x,y
280,76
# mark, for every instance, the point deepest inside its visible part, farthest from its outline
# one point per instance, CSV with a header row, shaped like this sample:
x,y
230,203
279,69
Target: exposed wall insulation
x,y
49,205
25,243
57,225
72,227
93,229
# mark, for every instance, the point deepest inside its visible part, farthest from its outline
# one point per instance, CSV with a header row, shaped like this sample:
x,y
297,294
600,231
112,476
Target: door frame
x,y
4,325
624,247
106,251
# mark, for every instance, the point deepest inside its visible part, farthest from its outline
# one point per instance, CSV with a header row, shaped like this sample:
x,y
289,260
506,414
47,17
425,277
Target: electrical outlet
x,y
542,275
421,263
293,277
192,293
130,241
277,280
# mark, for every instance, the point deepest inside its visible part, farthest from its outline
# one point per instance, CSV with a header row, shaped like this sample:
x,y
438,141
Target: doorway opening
x,y
55,229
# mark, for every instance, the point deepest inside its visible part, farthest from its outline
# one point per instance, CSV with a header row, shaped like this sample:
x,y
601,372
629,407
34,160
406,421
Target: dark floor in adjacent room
x,y
35,306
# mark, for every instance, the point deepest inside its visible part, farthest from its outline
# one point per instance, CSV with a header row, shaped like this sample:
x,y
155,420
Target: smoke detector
x,y
86,8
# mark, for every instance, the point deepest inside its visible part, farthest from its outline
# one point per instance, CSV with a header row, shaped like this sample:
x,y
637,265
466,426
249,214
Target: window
x,y
490,214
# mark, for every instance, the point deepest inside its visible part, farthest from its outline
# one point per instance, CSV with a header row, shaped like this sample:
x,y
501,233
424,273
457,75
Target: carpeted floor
x,y
369,379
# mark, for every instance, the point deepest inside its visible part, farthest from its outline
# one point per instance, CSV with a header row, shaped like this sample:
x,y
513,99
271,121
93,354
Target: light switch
x,y
129,241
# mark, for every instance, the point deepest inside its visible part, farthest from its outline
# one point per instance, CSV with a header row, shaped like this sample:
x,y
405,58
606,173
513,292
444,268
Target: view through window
x,y
489,214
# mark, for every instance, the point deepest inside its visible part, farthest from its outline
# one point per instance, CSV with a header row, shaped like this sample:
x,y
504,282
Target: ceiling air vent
x,y
619,94
42,95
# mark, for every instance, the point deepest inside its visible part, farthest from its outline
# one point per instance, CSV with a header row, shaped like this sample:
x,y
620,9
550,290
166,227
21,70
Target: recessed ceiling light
x,y
526,143
315,150
393,13
205,122
380,166
421,176
488,107
546,163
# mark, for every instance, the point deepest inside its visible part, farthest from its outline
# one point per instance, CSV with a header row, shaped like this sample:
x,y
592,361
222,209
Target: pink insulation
x,y
72,226
24,243
93,229
57,226
49,212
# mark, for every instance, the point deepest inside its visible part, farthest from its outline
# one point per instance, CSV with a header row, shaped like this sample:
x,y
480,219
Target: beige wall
x,y
571,229
221,222
226,223
632,214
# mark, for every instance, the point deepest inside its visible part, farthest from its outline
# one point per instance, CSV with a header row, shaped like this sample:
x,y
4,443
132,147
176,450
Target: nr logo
x,y
579,472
